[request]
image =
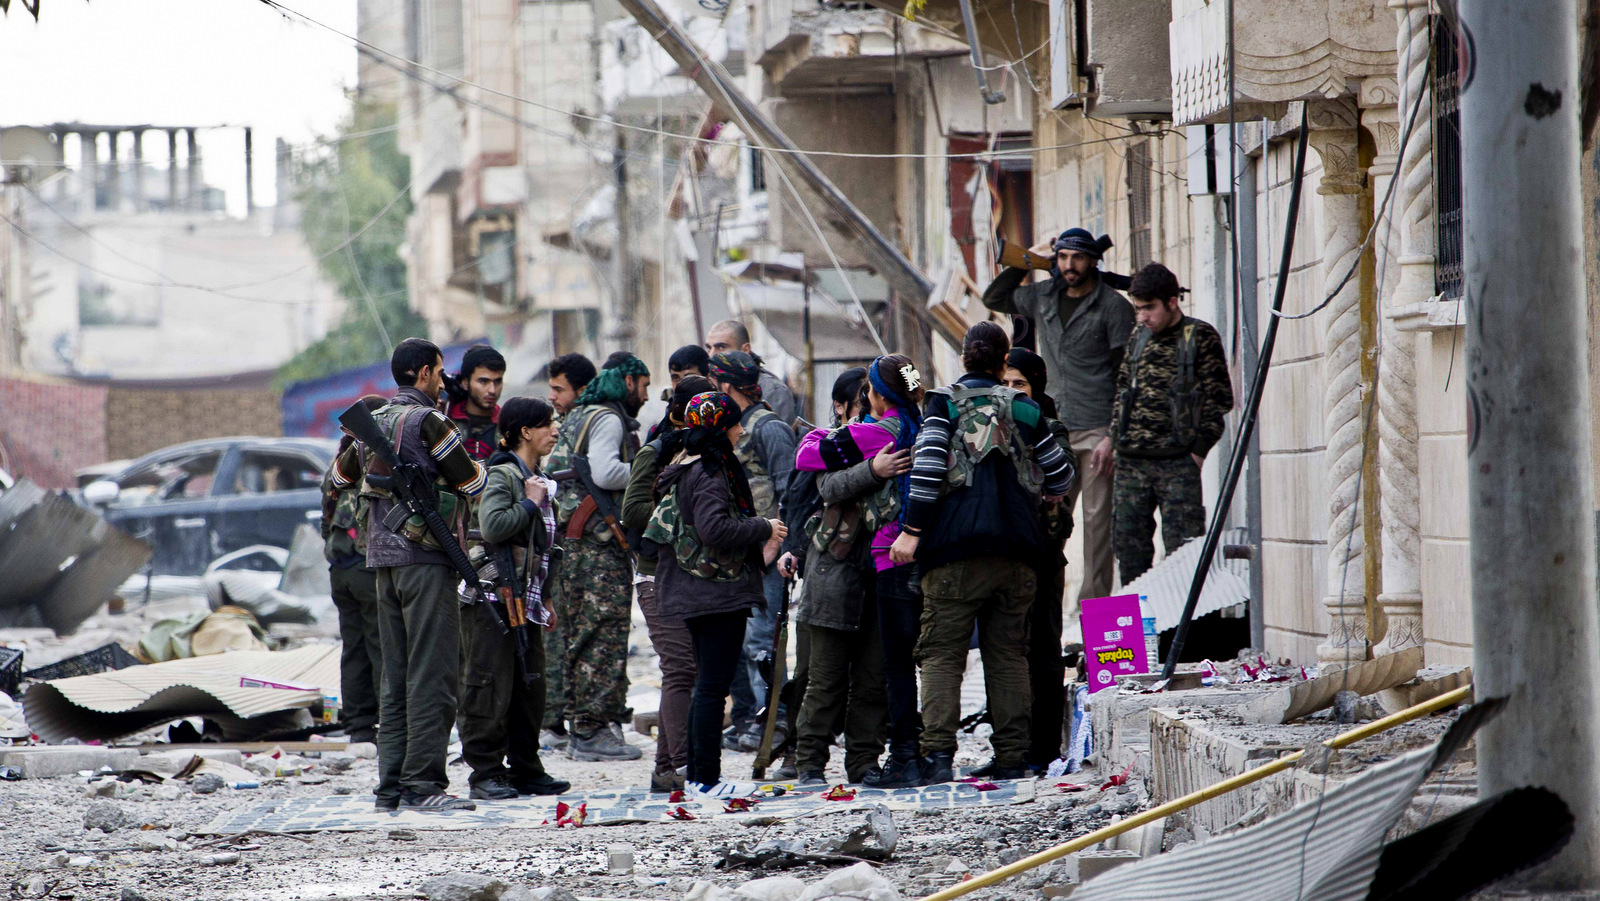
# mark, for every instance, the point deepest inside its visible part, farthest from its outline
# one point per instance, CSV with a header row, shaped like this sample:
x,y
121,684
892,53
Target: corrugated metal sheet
x,y
110,705
1316,852
1166,585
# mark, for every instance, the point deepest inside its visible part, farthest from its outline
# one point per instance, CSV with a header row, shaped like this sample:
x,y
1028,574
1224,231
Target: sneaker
x,y
665,782
785,773
938,767
731,736
810,777
721,791
898,772
386,804
602,745
542,784
550,740
440,803
494,788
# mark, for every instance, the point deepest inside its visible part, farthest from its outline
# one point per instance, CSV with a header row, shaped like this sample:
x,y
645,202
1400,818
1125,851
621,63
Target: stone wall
x,y
141,420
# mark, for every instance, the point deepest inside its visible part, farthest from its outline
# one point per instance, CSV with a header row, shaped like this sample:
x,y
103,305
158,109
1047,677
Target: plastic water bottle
x,y
1152,638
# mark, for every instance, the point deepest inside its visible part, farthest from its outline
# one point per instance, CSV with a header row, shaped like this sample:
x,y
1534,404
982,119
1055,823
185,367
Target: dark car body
x,y
199,500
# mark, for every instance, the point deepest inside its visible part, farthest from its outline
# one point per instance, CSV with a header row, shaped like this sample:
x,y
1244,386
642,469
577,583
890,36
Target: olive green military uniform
x,y
419,613
592,591
501,711
355,596
1173,393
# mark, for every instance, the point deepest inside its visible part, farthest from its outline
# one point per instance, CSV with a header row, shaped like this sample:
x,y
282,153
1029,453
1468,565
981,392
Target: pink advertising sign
x,y
1113,639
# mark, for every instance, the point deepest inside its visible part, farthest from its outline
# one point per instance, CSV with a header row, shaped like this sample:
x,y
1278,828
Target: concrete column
x,y
1530,489
89,153
192,196
113,173
138,170
172,170
1411,266
1333,136
249,176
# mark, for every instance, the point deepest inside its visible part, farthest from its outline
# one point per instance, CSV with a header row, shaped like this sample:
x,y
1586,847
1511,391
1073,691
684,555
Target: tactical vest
x,y
763,491
667,528
386,520
984,425
1183,392
572,441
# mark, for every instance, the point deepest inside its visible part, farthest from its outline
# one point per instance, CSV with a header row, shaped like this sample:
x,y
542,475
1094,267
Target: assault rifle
x,y
508,589
594,501
773,663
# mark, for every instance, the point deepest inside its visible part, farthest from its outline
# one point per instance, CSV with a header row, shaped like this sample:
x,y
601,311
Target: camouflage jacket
x,y
573,440
1173,392
344,533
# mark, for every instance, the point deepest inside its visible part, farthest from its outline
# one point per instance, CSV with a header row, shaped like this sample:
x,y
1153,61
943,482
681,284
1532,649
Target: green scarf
x,y
611,386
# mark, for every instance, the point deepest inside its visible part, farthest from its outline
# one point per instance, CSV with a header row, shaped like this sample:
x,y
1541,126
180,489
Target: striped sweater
x,y
993,516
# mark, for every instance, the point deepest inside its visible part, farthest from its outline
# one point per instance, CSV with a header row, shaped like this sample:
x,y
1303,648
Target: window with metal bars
x,y
1139,203
1448,232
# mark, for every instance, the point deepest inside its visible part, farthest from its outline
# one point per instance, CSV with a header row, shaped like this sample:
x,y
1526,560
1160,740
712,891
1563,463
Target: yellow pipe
x,y
1443,701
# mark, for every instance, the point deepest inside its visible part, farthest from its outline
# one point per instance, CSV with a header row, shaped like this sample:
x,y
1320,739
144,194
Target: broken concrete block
x,y
1285,705
47,761
463,887
105,816
1429,684
772,888
619,860
547,893
1093,863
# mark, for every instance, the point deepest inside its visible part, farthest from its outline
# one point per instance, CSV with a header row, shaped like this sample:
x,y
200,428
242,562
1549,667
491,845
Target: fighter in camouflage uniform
x,y
1173,393
593,587
766,451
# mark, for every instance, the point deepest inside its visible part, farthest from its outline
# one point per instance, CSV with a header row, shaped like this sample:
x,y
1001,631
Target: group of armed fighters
x,y
485,556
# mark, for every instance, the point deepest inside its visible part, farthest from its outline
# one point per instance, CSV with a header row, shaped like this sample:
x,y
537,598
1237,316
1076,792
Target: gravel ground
x,y
46,851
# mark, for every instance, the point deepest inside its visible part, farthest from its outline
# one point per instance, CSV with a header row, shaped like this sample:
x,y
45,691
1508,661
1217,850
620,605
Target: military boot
x,y
602,745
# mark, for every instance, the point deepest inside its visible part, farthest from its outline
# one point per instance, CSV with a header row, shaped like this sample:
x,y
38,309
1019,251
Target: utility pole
x,y
621,332
1529,485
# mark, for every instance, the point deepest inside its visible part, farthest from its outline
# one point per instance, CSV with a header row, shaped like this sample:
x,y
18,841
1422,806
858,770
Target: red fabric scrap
x,y
840,793
1119,779
678,813
1072,786
739,805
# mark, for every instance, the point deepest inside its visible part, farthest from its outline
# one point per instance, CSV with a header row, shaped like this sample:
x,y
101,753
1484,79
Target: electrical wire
x,y
400,63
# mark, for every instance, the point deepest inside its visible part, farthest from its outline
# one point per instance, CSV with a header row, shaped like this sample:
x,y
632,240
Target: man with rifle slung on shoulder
x,y
593,587
416,477
503,690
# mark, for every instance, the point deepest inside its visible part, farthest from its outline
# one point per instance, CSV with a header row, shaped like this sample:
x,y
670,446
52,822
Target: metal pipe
x,y
1530,489
1162,811
1243,198
976,49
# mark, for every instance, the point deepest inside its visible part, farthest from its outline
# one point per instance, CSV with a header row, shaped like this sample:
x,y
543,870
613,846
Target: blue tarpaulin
x,y
312,408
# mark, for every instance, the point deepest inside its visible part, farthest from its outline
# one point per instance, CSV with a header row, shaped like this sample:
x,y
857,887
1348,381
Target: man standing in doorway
x,y
1083,326
731,335
475,400
419,615
1173,393
593,587
766,449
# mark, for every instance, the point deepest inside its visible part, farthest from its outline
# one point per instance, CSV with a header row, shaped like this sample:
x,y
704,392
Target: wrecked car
x,y
196,501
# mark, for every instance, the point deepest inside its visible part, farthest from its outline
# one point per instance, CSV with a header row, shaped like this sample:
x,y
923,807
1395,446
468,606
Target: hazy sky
x,y
183,62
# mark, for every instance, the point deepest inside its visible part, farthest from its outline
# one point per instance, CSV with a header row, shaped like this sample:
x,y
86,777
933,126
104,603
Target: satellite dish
x,y
28,154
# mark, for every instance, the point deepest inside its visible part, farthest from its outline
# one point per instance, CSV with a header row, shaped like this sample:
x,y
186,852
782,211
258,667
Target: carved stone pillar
x,y
1412,213
1333,136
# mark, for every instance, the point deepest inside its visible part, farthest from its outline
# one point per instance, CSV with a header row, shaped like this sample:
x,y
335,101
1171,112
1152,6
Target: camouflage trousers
x,y
593,598
1140,487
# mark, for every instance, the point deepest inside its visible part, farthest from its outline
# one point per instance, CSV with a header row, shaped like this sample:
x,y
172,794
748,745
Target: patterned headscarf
x,y
611,385
910,421
738,369
707,419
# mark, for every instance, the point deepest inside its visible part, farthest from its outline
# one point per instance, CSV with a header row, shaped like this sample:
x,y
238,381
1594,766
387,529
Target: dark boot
x,y
938,767
897,772
992,770
494,788
542,784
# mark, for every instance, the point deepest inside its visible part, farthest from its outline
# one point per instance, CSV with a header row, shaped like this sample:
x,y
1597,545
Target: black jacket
x,y
703,502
